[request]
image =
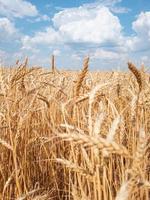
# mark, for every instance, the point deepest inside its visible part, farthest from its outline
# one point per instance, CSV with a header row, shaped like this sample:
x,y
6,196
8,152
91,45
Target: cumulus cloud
x,y
7,28
76,30
47,37
56,52
105,54
141,40
142,24
92,29
88,25
17,8
79,25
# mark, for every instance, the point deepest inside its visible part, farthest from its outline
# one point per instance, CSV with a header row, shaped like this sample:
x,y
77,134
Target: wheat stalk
x,y
81,76
53,63
136,73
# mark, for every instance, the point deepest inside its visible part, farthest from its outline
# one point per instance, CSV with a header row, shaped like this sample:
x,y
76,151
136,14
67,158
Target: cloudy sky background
x,y
111,32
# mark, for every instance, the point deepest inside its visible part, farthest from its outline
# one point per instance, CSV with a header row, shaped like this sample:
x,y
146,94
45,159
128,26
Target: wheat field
x,y
74,135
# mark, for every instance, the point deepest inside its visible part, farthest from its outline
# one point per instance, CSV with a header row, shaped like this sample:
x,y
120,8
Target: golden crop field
x,y
80,135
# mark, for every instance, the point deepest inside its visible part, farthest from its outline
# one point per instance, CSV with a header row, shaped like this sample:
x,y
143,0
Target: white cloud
x,y
110,2
92,30
79,25
47,37
118,9
77,28
105,54
42,18
39,18
82,24
7,28
75,56
144,58
17,8
141,26
56,52
107,3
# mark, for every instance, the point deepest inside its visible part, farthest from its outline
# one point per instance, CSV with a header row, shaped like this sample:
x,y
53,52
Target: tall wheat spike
x,y
136,73
53,63
81,76
26,62
17,62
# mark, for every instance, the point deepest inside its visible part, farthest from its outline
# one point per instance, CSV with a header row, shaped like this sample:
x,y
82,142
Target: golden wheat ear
x,y
136,73
53,63
17,62
82,76
26,62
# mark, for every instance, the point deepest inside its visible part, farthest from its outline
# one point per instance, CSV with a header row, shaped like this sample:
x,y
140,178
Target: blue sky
x,y
111,32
